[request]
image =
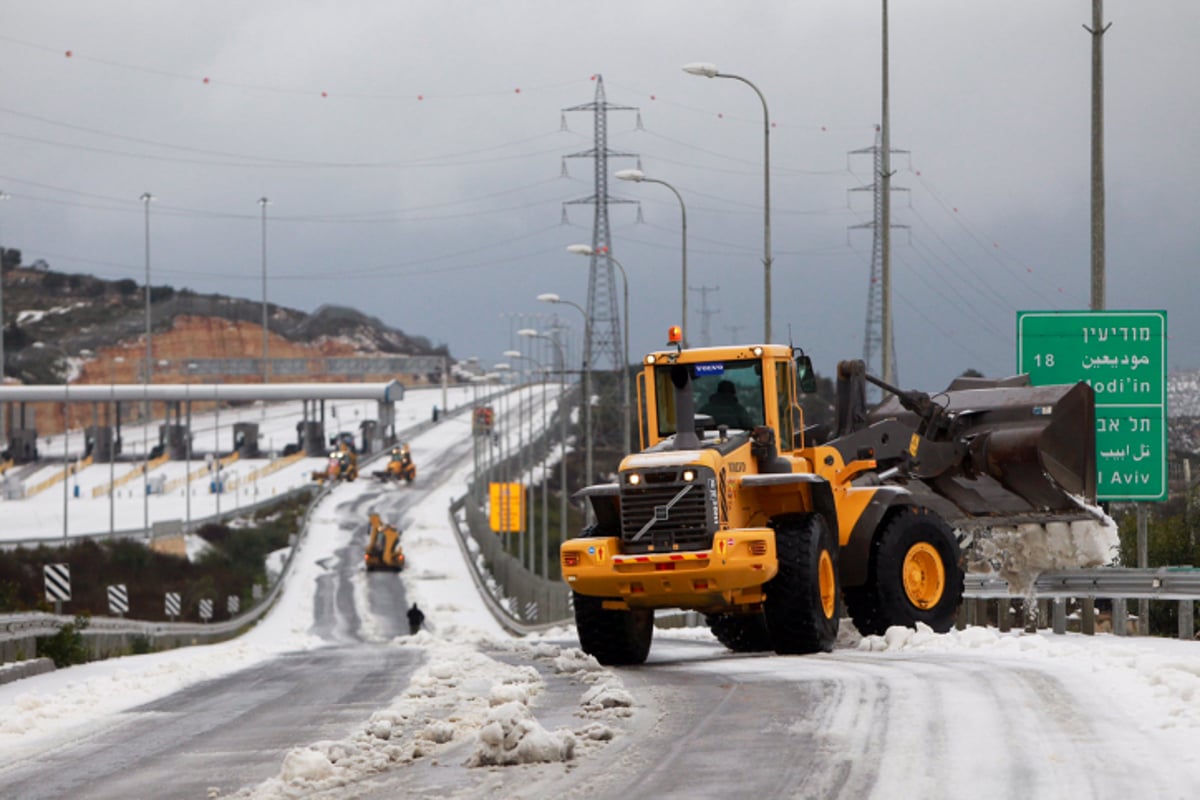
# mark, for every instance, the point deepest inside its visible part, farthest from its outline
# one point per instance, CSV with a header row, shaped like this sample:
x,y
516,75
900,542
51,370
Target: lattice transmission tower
x,y
603,342
880,286
706,313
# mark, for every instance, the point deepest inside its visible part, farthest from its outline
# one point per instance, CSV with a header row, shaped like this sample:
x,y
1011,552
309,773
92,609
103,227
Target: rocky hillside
x,y
93,329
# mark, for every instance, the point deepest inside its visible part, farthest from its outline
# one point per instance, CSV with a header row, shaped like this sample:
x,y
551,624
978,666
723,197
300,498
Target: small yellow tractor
x,y
342,466
400,466
383,546
735,509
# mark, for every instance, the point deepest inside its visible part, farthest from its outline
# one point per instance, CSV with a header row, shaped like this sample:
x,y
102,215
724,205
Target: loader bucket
x,y
1024,453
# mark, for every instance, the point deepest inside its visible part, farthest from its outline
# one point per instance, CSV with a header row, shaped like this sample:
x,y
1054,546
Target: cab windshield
x,y
728,391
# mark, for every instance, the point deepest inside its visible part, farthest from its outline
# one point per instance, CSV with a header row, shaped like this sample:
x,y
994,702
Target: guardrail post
x,y
1032,611
1120,616
1187,624
1087,617
1060,615
1003,615
981,611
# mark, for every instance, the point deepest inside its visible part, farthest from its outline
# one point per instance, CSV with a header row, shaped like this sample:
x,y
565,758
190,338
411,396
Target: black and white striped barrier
x,y
118,600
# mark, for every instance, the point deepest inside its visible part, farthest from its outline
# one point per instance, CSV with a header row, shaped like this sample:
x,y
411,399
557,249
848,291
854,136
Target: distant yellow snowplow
x,y
342,466
400,466
383,550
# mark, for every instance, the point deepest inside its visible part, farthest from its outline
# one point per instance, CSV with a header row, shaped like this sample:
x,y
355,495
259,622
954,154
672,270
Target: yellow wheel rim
x,y
924,576
828,585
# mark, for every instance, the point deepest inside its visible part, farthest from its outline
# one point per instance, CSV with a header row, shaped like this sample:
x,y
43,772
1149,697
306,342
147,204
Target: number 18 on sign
x,y
1122,355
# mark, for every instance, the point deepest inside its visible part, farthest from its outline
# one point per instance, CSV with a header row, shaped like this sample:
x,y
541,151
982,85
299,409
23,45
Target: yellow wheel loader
x,y
400,466
383,546
342,466
744,515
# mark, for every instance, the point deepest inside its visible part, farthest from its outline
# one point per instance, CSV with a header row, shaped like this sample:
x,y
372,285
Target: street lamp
x,y
146,199
637,176
562,462
550,297
545,488
264,202
710,71
3,424
587,250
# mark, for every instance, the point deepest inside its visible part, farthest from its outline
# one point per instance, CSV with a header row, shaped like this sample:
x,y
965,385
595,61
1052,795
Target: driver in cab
x,y
724,408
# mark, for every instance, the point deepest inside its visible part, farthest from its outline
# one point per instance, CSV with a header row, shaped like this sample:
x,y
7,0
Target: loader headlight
x,y
689,475
634,479
757,351
650,359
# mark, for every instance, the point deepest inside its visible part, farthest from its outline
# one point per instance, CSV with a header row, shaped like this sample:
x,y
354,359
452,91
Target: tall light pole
x,y
545,501
519,379
146,200
264,202
112,446
506,453
562,462
550,297
586,250
711,71
3,419
637,176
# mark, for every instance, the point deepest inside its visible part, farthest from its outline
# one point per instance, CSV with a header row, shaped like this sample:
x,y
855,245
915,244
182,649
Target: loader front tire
x,y
804,598
613,637
741,633
915,575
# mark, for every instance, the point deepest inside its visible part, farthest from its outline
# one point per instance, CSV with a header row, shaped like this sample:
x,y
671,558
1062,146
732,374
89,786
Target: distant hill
x,y
93,329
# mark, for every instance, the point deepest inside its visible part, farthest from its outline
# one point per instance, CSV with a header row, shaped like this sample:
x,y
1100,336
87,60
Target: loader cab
x,y
761,380
729,392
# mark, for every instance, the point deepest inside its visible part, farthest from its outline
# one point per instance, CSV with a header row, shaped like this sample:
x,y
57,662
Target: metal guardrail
x,y
1051,590
1163,583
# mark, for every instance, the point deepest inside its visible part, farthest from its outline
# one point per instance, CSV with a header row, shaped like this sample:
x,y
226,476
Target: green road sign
x,y
1122,355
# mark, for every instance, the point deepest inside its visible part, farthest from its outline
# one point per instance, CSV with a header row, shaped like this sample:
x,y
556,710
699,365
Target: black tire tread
x,y
741,633
794,615
881,602
614,638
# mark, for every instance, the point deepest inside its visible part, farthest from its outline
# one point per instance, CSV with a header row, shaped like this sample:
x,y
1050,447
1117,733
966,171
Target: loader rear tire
x,y
614,638
915,575
804,599
741,633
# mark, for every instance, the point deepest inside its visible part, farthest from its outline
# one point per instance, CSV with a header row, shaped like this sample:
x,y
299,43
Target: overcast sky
x,y
413,157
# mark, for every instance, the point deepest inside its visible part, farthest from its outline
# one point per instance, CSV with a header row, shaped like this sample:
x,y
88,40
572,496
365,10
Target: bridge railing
x,y
1051,592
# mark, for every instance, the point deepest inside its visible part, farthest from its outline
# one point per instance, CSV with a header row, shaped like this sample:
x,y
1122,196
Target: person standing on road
x,y
415,617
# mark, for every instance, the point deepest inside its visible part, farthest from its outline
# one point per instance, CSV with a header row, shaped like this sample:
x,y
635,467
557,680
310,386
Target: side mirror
x,y
806,379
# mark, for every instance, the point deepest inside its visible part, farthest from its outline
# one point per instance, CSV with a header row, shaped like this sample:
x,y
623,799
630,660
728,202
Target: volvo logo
x,y
662,513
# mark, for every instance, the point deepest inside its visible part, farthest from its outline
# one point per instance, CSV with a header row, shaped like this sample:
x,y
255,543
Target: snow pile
x,y
1019,555
197,546
512,736
449,702
274,563
608,695
1166,671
